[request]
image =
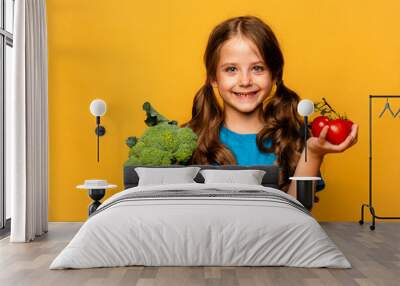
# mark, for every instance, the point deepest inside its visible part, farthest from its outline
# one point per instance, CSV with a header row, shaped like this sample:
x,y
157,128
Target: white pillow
x,y
249,177
162,176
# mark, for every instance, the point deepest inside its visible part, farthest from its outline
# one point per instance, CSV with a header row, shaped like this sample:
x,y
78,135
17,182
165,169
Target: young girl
x,y
258,123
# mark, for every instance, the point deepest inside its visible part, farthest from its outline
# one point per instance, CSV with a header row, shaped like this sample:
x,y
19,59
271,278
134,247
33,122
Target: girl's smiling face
x,y
242,77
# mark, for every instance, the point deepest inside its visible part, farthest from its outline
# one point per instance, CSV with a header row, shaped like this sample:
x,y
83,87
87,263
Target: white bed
x,y
222,225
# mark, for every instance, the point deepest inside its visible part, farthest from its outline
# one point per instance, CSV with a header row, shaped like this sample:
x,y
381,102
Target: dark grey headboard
x,y
270,178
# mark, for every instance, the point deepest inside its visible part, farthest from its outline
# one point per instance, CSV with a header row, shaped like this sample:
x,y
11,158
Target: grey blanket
x,y
201,225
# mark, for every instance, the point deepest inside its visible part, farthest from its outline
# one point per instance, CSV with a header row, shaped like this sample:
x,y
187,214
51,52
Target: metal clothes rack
x,y
369,205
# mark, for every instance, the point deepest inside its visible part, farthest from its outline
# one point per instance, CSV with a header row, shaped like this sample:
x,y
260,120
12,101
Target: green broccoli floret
x,y
162,136
163,144
136,150
184,153
186,135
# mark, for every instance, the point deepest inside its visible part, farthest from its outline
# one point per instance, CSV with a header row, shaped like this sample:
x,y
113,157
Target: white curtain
x,y
27,127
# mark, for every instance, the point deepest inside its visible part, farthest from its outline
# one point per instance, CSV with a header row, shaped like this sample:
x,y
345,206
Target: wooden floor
x,y
375,256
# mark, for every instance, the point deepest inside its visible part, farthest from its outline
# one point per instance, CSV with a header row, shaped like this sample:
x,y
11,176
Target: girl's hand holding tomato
x,y
319,146
331,136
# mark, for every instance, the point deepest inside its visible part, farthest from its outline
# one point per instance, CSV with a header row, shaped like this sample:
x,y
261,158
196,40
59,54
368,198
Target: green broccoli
x,y
154,117
163,144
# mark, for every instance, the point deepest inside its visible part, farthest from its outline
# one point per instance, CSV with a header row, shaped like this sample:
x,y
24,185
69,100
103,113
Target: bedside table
x,y
305,189
97,190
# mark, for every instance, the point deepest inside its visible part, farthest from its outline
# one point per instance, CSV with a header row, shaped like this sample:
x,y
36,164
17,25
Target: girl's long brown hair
x,y
282,123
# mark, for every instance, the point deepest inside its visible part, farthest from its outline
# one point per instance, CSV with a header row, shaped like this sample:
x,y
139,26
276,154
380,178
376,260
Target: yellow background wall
x,y
127,52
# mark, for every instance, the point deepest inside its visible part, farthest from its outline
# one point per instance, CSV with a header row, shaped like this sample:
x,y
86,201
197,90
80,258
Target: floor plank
x,y
374,255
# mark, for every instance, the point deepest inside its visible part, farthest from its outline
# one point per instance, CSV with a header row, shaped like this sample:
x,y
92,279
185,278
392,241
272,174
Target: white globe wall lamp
x,y
98,108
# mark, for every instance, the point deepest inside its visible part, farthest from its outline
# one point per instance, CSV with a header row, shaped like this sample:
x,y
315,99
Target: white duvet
x,y
183,231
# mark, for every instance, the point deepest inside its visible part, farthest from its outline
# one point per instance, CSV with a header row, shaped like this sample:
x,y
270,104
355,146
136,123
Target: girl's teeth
x,y
246,94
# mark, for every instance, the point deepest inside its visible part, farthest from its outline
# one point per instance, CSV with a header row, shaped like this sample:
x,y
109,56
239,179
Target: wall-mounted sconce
x,y
305,108
98,108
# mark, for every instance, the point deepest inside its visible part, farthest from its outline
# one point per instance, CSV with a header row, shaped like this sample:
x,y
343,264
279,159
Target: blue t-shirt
x,y
244,148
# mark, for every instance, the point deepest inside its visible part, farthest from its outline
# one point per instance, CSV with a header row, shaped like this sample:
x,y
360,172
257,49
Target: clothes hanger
x,y
398,111
387,106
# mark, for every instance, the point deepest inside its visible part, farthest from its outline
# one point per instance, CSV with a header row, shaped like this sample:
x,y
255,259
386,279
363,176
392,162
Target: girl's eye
x,y
259,68
230,69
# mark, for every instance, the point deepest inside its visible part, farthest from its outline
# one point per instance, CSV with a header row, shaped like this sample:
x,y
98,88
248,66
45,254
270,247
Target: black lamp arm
x,y
305,136
100,131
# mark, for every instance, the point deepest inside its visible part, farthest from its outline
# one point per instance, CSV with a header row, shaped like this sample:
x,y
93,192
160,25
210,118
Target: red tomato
x,y
318,124
349,123
338,131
